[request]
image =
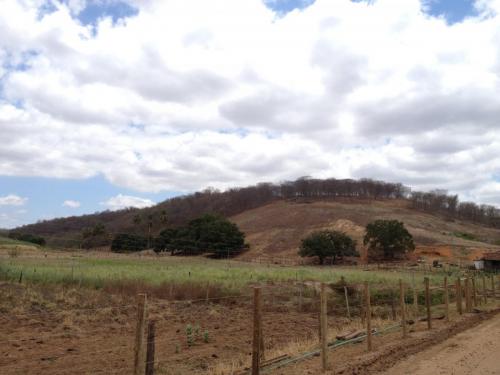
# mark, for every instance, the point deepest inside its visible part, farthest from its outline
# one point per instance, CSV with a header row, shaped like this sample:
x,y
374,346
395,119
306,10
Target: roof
x,y
491,256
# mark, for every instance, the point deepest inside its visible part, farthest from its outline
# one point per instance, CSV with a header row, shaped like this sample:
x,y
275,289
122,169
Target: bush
x,y
124,242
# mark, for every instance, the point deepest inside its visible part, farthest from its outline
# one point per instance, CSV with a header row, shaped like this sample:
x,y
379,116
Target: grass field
x,y
156,271
7,242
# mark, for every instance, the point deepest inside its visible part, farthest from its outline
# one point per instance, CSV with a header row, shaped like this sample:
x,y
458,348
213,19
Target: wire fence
x,y
271,326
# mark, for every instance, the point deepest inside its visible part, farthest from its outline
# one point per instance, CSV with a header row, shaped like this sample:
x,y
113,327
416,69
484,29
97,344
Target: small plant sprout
x,y
205,336
196,331
189,335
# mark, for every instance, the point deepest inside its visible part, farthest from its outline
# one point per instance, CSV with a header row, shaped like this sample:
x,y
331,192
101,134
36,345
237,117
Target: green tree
x,y
95,236
137,219
165,240
126,242
206,234
150,227
328,243
163,217
388,238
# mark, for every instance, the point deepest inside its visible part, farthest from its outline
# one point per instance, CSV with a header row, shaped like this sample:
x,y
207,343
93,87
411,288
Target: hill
x,y
69,231
277,228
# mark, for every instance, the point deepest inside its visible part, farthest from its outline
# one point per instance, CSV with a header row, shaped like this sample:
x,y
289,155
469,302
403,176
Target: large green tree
x,y
206,234
127,242
388,238
328,243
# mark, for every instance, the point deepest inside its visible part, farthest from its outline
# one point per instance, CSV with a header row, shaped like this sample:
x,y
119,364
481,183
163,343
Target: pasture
x,y
79,310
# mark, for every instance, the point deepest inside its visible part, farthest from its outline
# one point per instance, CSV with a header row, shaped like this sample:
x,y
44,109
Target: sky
x,y
106,104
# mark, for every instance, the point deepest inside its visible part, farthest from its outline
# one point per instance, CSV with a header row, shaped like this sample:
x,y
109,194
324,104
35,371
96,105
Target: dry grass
x,y
296,347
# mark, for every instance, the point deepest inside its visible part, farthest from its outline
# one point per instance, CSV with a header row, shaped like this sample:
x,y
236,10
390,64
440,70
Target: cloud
x,y
171,99
12,200
124,201
71,204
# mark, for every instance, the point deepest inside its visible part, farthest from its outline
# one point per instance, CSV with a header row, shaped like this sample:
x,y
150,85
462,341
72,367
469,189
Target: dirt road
x,y
475,351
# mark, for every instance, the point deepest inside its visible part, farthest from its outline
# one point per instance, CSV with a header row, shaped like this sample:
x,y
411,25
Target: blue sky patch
x,y
98,9
285,6
46,197
453,10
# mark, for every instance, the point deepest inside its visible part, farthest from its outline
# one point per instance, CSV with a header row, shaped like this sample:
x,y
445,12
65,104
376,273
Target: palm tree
x,y
137,219
163,217
150,226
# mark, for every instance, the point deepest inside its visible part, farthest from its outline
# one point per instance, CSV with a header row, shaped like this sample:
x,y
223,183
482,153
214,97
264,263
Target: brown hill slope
x,y
277,228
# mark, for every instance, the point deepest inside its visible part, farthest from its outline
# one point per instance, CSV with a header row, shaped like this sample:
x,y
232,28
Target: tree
x,y
388,237
165,240
206,234
95,236
125,242
150,227
137,219
163,217
328,243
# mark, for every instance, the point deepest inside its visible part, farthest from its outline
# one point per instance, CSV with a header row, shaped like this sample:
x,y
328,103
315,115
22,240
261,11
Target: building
x,y
491,261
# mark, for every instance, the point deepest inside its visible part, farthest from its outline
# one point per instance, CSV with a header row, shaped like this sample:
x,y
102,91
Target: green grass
x,y
9,241
466,236
97,272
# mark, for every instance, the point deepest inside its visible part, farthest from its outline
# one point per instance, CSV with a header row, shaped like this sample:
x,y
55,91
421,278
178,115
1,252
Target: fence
x,y
150,336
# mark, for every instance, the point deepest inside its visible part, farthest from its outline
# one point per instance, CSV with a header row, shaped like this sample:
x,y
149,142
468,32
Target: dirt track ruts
x,y
475,351
384,360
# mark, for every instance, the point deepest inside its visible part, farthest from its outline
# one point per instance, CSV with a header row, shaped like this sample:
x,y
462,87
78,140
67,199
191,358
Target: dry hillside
x,y
277,228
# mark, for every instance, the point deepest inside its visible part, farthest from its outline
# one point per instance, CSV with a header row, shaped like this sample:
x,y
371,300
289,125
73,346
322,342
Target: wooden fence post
x,y
474,296
393,305
459,296
150,353
485,294
493,286
368,317
256,332
415,301
347,303
467,295
139,335
403,307
324,329
428,303
446,299
300,296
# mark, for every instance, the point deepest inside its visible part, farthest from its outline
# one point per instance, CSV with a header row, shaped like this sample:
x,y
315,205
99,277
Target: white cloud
x,y
12,200
172,99
71,204
124,201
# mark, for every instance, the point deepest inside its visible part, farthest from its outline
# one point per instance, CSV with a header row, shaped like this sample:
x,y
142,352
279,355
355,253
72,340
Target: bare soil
x,y
473,352
467,345
91,332
277,228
